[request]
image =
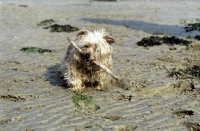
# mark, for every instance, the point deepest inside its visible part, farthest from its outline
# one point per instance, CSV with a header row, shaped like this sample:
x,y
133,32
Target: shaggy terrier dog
x,y
87,60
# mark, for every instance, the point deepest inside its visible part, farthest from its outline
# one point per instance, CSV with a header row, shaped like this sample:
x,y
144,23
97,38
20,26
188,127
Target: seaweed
x,y
155,40
197,37
79,99
183,112
46,22
56,27
193,26
173,40
192,72
84,102
193,126
176,73
36,50
61,28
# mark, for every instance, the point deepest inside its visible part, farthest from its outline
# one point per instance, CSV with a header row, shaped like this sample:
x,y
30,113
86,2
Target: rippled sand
x,y
31,95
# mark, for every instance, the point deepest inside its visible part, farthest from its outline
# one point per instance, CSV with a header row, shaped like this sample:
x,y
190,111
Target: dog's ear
x,y
81,33
109,39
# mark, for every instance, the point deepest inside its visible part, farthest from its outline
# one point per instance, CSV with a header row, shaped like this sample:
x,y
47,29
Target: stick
x,y
106,69
75,46
96,62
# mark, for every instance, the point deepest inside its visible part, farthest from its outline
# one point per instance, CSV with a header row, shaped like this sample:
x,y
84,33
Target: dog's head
x,y
95,45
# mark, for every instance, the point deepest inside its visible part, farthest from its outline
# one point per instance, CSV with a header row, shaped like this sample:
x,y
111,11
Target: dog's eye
x,y
86,46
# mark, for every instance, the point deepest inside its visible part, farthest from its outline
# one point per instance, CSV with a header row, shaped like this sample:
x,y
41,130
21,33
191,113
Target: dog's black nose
x,y
87,56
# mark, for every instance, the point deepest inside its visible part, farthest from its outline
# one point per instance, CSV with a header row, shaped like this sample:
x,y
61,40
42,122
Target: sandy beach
x,y
153,95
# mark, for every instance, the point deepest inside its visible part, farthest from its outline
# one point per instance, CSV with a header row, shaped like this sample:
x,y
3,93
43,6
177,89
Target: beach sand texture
x,y
33,97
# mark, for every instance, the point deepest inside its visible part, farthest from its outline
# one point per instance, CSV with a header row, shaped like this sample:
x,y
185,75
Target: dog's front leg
x,y
100,80
75,82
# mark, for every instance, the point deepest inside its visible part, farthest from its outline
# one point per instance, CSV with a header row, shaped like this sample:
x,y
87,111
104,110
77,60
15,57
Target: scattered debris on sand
x,y
156,40
4,121
12,98
23,6
36,50
112,117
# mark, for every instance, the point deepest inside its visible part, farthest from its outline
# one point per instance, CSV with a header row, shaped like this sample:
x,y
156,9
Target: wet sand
x,y
32,97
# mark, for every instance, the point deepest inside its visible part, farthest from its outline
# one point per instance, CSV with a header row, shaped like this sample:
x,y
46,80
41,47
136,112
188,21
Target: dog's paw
x,y
99,88
77,90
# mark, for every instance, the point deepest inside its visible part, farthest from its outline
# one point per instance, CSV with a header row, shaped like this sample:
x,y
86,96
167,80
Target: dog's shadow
x,y
54,76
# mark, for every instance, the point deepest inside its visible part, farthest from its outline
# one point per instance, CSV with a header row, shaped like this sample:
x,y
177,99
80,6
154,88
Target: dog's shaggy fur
x,y
78,69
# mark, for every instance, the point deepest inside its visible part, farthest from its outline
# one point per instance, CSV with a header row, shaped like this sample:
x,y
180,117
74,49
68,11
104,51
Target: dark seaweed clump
x,y
36,50
197,37
46,22
156,40
192,27
153,40
193,126
193,71
184,112
61,28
